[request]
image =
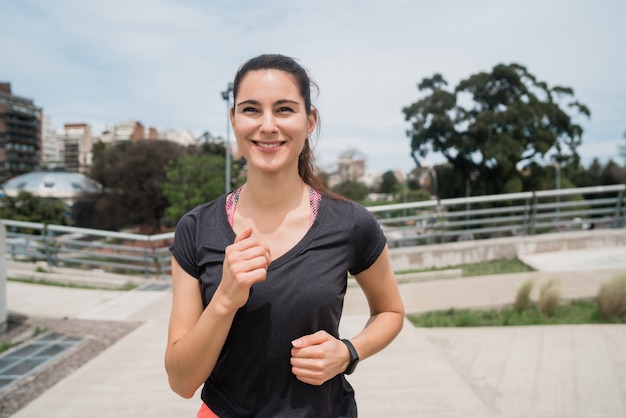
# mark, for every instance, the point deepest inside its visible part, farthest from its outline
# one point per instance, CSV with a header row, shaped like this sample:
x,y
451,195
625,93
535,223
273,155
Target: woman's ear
x,y
312,121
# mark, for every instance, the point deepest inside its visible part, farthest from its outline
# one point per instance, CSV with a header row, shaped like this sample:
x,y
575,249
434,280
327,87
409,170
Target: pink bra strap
x,y
231,203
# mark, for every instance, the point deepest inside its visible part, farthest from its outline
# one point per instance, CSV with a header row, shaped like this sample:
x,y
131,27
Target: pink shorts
x,y
205,412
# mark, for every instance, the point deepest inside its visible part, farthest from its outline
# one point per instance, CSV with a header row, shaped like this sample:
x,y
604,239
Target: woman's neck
x,y
278,192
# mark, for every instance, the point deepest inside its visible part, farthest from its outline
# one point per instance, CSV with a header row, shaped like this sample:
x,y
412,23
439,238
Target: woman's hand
x,y
196,333
245,263
318,357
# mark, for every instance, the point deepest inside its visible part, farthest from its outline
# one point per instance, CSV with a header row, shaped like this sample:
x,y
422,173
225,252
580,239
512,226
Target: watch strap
x,y
354,357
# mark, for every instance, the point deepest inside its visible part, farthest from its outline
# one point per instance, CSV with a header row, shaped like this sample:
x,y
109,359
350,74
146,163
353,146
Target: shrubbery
x,y
612,299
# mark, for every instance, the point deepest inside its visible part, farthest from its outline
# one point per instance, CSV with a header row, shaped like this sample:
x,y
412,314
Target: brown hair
x,y
306,162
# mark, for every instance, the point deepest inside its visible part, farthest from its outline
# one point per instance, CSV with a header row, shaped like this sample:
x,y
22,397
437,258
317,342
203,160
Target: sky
x,y
165,62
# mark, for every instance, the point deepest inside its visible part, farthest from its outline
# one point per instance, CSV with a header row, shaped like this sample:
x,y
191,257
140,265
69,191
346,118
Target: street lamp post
x,y
226,97
433,178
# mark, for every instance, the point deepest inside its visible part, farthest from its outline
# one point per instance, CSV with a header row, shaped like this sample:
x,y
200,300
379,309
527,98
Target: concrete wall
x,y
3,281
467,252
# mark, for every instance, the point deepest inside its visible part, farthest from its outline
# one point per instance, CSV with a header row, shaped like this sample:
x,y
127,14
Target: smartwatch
x,y
354,357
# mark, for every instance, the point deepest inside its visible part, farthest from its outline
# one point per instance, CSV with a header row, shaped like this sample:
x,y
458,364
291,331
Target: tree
x,y
132,174
389,183
199,176
353,190
30,208
191,180
492,123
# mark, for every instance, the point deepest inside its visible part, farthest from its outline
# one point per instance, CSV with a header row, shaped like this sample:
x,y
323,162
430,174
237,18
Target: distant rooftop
x,y
58,184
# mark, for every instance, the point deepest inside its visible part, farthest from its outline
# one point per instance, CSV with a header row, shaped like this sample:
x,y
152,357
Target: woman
x,y
259,275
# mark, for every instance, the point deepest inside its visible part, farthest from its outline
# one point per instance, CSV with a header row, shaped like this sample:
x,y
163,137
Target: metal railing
x,y
513,214
405,224
65,246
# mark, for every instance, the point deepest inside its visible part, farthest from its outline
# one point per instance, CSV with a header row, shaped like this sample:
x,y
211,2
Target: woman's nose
x,y
268,124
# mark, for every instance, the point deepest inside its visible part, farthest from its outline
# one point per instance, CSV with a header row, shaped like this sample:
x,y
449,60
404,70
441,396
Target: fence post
x,y
620,210
526,221
146,262
46,245
533,219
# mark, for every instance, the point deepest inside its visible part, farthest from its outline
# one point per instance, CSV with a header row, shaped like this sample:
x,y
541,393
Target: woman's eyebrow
x,y
250,101
287,101
278,102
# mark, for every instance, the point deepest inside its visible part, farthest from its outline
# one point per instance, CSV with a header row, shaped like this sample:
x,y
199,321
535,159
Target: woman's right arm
x,y
196,334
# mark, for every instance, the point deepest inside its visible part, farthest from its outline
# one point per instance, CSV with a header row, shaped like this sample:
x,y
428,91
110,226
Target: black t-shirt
x,y
302,294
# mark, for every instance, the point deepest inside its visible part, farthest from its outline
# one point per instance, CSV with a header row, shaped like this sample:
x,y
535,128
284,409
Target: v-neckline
x,y
302,242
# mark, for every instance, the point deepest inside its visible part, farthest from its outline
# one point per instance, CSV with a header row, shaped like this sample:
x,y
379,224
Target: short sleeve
x,y
369,239
184,246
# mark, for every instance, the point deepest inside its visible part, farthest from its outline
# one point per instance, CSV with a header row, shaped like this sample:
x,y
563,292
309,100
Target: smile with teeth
x,y
268,144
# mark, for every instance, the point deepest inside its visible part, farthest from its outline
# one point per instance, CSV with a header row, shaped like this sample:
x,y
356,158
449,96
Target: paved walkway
x,y
550,371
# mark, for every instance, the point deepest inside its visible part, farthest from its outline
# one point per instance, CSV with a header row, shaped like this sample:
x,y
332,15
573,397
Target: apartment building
x,y
51,145
128,131
20,134
77,147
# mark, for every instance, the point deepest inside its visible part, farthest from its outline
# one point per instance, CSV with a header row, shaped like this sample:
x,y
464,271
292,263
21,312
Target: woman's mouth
x,y
268,145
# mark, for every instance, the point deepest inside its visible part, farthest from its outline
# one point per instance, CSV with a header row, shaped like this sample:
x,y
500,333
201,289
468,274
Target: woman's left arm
x,y
380,287
318,357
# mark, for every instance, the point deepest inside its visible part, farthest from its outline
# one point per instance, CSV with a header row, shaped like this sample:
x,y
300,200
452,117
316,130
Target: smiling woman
x,y
259,275
271,122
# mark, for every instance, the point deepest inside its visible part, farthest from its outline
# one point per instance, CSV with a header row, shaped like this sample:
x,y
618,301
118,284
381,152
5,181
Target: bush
x,y
549,298
522,298
612,299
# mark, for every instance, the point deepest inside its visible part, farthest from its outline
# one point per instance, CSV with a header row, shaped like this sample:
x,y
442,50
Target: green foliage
x,y
192,180
353,190
4,346
30,208
501,266
612,299
522,297
576,312
418,195
549,298
597,174
132,174
451,182
492,122
389,183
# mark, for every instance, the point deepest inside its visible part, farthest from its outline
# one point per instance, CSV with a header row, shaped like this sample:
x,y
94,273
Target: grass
x,y
5,346
502,266
127,286
608,307
576,312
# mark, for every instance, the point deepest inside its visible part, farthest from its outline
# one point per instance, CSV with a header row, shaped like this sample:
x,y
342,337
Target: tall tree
x,y
191,180
494,122
199,176
389,183
353,190
132,175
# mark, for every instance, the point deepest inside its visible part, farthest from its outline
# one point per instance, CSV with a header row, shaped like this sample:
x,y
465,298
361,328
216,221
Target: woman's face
x,y
270,121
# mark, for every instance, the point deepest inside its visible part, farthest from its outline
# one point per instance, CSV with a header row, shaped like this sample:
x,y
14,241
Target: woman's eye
x,y
284,109
248,109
